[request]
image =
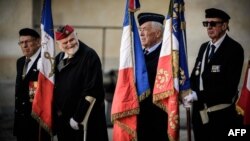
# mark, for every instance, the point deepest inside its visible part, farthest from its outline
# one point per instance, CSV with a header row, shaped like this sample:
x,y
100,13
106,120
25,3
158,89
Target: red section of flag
x,y
133,5
164,77
125,107
42,104
165,95
243,103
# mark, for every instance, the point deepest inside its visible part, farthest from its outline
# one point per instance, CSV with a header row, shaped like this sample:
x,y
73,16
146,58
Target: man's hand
x,y
73,124
188,99
186,104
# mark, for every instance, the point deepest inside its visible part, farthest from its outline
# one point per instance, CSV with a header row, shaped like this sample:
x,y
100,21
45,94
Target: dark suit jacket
x,y
24,124
221,77
80,78
152,121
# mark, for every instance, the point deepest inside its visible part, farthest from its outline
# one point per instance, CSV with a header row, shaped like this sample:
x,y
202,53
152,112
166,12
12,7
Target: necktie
x,y
212,48
66,61
63,63
145,51
25,67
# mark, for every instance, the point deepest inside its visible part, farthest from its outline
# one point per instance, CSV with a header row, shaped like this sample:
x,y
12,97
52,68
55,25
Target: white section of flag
x,y
248,80
126,49
47,55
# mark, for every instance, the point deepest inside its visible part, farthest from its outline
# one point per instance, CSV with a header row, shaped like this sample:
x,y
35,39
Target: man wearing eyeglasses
x,y
214,80
26,128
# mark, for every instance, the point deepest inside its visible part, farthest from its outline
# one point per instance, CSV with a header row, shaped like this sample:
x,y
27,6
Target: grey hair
x,y
157,25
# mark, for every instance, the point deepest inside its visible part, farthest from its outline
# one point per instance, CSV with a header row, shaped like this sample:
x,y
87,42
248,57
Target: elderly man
x,y
25,126
215,79
78,78
152,121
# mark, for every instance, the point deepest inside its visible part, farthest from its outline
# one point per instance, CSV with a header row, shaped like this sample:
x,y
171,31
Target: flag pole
x,y
188,124
39,132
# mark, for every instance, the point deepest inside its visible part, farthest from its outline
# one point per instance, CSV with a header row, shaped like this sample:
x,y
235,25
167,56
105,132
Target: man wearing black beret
x,y
26,128
214,80
152,120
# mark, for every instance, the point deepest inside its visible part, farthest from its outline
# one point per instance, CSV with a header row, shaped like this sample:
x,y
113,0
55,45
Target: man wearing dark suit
x,y
214,80
152,120
78,79
26,128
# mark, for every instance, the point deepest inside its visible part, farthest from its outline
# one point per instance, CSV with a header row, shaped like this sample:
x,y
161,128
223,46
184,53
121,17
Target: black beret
x,y
217,13
28,32
145,17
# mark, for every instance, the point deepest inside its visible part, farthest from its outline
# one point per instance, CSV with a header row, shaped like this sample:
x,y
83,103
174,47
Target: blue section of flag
x,y
180,33
141,75
137,4
47,20
142,83
126,16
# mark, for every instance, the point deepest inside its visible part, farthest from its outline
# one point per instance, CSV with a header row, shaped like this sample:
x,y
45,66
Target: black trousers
x,y
218,127
44,136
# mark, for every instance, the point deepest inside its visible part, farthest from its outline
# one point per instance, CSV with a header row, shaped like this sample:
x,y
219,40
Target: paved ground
x,y
7,108
6,123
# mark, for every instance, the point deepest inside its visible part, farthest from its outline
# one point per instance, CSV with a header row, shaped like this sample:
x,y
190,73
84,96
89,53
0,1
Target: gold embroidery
x,y
161,78
144,95
128,130
124,114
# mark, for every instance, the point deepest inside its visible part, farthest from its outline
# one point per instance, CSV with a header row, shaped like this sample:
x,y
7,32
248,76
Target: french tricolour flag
x,y
42,104
172,76
132,80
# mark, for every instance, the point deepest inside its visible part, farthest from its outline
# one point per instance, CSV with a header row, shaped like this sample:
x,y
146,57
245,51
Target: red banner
x,y
243,103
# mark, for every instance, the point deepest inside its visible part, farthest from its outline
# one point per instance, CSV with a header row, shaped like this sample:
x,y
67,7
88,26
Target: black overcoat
x,y
80,78
152,120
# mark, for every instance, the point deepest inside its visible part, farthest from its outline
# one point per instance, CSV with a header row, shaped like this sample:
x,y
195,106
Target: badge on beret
x,y
63,31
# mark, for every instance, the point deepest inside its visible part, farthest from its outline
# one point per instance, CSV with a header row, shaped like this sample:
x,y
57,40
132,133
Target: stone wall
x,y
99,24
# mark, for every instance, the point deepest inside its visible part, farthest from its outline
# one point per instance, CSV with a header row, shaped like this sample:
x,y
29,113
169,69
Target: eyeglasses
x,y
21,43
211,24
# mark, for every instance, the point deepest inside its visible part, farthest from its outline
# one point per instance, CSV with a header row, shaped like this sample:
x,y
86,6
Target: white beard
x,y
72,51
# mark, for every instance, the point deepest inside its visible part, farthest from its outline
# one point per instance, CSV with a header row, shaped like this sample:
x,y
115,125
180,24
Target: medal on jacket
x,y
32,89
197,71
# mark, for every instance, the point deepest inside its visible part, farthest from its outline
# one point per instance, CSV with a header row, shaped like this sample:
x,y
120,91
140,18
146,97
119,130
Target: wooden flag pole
x,y
188,124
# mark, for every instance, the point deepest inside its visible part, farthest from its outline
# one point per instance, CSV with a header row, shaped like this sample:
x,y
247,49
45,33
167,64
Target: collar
x,y
33,57
218,43
65,56
154,47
